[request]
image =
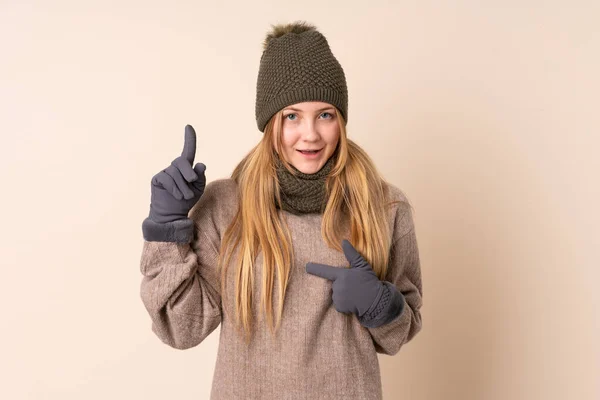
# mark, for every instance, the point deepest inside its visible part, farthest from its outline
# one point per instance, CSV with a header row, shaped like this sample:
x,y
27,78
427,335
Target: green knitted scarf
x,y
304,193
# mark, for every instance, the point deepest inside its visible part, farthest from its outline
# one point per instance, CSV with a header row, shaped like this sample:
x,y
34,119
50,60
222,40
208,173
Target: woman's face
x,y
309,126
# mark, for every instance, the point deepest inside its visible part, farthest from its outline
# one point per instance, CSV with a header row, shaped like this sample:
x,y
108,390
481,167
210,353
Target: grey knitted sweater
x,y
319,353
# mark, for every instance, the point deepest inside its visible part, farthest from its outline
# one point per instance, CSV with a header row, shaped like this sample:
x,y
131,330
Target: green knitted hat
x,y
297,65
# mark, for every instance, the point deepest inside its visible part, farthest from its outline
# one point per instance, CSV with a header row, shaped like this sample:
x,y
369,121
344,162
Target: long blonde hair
x,y
357,194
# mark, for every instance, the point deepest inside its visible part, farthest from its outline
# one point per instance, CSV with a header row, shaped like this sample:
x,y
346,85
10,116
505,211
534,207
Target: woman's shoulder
x,y
226,187
401,209
396,196
219,200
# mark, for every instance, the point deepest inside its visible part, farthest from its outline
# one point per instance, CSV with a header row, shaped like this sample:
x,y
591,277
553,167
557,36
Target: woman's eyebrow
x,y
319,110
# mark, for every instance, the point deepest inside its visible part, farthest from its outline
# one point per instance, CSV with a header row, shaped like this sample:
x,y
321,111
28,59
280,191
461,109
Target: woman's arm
x,y
181,285
405,274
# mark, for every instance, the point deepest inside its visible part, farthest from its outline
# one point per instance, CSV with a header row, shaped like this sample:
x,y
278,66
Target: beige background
x,y
484,112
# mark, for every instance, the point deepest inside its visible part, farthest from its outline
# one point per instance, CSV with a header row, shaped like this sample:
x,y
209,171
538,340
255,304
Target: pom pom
x,y
282,29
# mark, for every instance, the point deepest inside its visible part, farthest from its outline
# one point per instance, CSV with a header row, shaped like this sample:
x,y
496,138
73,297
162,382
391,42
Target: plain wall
x,y
484,112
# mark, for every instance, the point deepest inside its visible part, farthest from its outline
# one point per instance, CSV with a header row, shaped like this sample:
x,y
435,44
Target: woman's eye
x,y
290,115
331,116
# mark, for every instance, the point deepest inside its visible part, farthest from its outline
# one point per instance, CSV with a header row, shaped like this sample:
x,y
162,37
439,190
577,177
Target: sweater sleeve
x,y
405,273
180,287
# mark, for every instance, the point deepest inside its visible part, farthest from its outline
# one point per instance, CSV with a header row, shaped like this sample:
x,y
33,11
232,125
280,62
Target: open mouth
x,y
310,152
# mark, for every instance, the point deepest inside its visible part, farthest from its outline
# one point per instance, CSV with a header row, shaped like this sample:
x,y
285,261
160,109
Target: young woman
x,y
306,256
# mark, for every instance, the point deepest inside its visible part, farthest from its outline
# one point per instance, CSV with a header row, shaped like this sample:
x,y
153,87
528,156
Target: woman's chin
x,y
308,167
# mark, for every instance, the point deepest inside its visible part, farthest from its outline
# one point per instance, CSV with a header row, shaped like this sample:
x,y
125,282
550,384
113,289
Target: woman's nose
x,y
310,131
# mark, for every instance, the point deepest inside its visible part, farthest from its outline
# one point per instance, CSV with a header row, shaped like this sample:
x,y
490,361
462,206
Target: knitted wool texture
x,y
297,65
304,193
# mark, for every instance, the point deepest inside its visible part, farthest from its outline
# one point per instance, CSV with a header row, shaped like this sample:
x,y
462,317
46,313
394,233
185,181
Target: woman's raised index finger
x,y
189,145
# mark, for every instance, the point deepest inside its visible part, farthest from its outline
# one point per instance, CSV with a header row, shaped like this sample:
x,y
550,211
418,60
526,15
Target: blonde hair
x,y
357,194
